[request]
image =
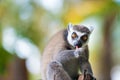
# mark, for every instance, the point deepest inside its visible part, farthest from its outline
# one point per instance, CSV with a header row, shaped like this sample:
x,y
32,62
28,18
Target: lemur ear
x,y
70,27
91,28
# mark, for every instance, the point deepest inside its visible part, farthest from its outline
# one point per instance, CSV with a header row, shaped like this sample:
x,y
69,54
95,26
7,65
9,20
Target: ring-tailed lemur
x,y
60,60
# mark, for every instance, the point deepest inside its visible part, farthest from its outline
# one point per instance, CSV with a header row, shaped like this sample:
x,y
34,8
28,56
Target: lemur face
x,y
78,35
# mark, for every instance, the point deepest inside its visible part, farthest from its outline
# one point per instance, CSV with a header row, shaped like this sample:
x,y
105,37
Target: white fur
x,y
70,27
70,40
78,52
91,28
71,30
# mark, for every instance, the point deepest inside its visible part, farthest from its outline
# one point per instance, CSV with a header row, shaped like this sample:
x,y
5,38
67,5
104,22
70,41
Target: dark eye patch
x,y
74,35
84,38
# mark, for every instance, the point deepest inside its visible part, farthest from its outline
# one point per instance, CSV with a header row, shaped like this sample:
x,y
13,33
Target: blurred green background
x,y
27,25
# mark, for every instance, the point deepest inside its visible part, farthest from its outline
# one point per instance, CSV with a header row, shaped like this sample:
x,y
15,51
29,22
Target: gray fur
x,y
68,64
60,60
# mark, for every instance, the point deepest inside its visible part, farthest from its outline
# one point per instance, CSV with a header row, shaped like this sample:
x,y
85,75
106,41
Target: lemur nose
x,y
79,44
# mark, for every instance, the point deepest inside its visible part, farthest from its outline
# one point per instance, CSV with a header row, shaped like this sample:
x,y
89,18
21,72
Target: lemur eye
x,y
84,37
74,35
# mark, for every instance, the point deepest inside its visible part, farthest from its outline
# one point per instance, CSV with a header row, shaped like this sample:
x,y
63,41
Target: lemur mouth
x,y
76,47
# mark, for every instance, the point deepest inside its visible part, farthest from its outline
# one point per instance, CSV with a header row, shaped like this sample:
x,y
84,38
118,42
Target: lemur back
x,y
56,44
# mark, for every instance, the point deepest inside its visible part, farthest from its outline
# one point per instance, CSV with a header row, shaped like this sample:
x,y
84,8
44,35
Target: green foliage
x,y
4,59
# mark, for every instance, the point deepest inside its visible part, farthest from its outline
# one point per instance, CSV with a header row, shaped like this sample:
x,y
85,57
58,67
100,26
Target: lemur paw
x,y
55,65
78,52
88,76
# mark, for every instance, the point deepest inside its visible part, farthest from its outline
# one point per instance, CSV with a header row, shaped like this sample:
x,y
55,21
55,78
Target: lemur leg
x,y
56,72
87,70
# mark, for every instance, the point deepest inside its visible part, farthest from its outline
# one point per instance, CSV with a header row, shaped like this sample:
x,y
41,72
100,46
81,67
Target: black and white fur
x,y
61,61
71,29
